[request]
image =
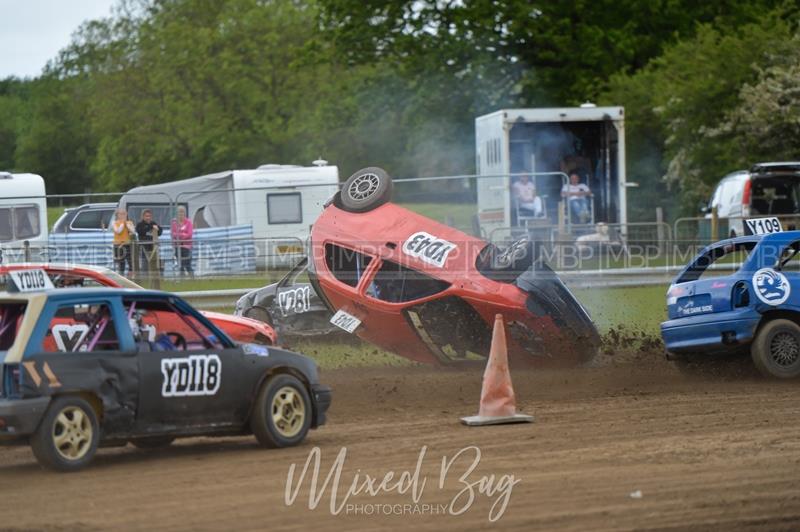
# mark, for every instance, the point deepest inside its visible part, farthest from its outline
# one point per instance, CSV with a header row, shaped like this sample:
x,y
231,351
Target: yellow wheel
x,y
68,435
282,413
288,411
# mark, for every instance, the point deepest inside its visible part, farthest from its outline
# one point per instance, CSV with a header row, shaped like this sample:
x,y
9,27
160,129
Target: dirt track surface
x,y
704,455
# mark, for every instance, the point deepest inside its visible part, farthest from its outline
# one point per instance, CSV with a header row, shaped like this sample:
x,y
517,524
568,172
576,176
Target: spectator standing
x,y
182,233
123,239
144,231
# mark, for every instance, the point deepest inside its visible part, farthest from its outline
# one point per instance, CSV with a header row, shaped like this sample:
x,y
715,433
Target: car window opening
x,y
81,328
346,265
790,258
11,315
394,283
159,326
731,254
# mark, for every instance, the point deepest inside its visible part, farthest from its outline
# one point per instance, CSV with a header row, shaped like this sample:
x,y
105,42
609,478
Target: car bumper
x,y
321,396
713,333
21,417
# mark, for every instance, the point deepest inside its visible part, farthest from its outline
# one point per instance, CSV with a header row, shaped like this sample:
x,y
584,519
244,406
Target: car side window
x,y
790,258
159,326
394,283
81,328
11,315
346,265
730,254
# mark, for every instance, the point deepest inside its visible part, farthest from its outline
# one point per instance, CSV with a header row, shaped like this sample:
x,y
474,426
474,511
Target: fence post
x,y
714,225
26,245
660,228
133,249
154,262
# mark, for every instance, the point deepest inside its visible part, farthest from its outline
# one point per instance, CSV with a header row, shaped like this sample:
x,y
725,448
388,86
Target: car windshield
x,y
725,258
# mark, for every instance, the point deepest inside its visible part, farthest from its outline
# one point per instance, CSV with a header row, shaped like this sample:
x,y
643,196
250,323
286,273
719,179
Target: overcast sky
x,y
33,31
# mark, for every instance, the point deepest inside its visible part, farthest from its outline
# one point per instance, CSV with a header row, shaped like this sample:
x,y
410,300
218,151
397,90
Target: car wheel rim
x,y
72,433
288,412
784,349
363,187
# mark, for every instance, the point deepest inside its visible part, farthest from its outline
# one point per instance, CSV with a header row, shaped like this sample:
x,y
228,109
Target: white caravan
x,y
548,144
279,201
23,216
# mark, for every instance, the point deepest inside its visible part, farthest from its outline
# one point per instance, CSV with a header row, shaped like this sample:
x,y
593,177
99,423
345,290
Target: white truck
x,y
548,144
23,216
279,201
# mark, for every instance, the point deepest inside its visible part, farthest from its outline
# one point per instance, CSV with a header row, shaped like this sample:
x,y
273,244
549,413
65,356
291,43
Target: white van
x,y
23,216
765,189
279,201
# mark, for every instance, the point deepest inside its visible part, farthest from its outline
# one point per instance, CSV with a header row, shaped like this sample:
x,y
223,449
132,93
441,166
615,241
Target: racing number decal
x,y
345,320
192,376
763,226
428,248
295,301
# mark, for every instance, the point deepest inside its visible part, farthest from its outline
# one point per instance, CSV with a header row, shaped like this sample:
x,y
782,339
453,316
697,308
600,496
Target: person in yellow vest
x,y
124,231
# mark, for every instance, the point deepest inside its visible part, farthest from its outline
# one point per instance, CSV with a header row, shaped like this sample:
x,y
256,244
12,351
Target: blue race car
x,y
754,310
78,371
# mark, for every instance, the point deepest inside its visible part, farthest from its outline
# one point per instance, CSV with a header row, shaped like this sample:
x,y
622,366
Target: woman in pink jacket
x,y
182,232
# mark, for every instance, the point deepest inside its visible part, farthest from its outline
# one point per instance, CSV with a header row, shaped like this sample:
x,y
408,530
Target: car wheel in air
x,y
282,413
366,189
776,349
67,437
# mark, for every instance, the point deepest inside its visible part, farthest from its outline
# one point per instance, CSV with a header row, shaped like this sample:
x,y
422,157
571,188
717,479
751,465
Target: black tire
x,y
153,442
366,189
67,437
517,257
776,349
259,313
290,430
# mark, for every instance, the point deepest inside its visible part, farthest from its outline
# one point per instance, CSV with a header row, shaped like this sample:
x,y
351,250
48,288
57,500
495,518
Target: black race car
x,y
78,370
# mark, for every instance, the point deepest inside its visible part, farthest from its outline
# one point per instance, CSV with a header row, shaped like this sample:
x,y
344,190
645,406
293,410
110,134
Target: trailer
x,y
548,144
23,217
280,202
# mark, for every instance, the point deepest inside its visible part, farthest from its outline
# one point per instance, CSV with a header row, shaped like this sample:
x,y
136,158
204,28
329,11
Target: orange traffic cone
x,y
498,405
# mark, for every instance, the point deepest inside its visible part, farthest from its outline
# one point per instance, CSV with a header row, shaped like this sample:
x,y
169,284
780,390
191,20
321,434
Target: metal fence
x,y
243,248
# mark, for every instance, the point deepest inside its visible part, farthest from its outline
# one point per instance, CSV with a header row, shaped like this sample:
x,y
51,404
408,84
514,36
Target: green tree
x,y
677,103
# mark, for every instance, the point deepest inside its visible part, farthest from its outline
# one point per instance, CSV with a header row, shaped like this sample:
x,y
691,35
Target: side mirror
x,y
704,208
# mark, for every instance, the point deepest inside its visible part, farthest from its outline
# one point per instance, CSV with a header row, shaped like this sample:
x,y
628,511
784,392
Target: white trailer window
x,y
285,208
26,221
19,223
6,229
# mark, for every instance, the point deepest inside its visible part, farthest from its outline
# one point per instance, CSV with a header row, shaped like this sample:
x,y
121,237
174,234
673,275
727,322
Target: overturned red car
x,y
240,329
430,293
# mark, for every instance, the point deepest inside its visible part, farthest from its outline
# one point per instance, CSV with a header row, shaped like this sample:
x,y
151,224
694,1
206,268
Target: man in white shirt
x,y
577,194
525,194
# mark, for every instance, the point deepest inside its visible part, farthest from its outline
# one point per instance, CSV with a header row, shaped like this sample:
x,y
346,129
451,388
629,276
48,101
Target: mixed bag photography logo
x,y
450,485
